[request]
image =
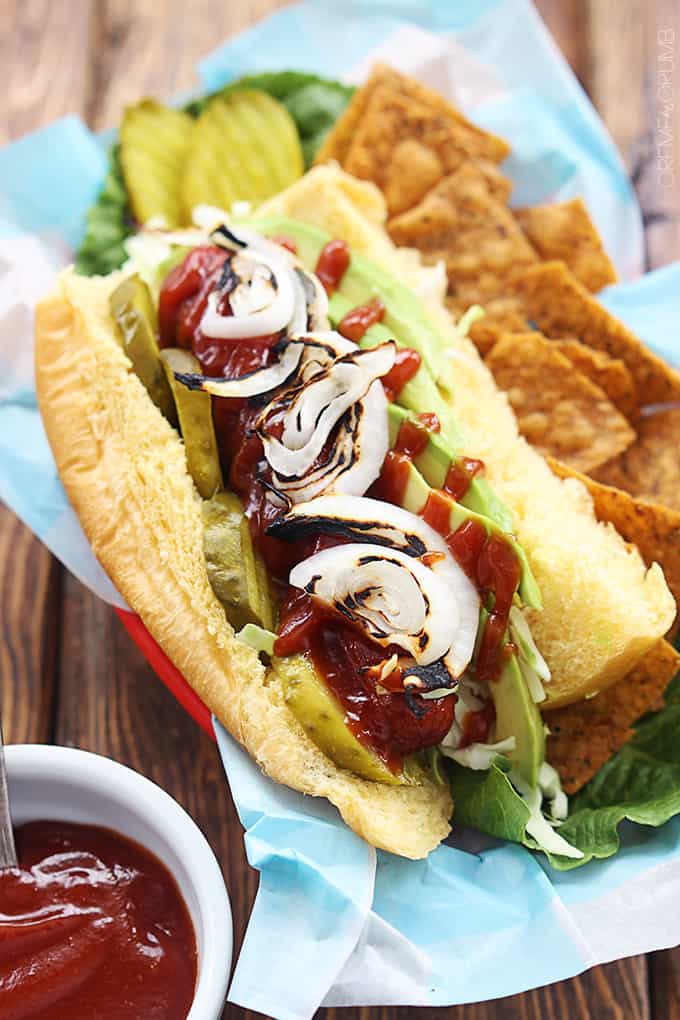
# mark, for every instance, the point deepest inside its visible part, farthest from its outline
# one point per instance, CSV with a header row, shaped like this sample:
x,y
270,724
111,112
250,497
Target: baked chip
x,y
389,120
560,412
565,231
652,527
474,234
610,374
562,307
650,468
340,140
584,736
501,316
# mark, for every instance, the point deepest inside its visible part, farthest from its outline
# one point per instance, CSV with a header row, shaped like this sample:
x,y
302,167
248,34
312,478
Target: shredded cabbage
x,y
538,827
478,756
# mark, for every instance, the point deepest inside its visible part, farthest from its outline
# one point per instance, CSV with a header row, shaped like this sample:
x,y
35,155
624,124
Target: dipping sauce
x,y
92,926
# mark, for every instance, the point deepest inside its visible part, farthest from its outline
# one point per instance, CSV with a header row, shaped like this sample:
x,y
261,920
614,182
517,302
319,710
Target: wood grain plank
x,y
37,87
152,48
44,48
29,589
664,984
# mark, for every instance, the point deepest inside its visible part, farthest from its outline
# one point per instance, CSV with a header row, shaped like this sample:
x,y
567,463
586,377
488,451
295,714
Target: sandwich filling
x,y
384,585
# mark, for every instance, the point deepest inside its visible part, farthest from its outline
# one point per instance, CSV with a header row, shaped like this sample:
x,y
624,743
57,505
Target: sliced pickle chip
x,y
135,316
194,411
153,146
236,571
244,146
323,720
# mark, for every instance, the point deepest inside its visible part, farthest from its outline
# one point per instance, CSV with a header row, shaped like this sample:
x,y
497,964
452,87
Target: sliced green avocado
x,y
405,316
236,572
431,467
135,316
323,720
194,411
517,716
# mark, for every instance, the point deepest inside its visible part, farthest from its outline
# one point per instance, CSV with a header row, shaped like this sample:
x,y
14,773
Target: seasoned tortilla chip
x,y
414,169
561,307
610,374
501,316
565,231
389,120
653,528
650,468
475,235
585,735
558,410
339,142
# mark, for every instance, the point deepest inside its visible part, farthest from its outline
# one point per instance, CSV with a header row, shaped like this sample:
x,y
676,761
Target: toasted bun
x,y
124,469
603,609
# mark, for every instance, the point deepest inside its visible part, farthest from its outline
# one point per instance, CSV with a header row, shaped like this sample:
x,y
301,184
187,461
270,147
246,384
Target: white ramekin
x,y
64,784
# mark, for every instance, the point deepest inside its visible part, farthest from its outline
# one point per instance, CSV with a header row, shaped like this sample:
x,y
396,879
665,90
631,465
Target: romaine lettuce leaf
x,y
641,783
108,224
314,104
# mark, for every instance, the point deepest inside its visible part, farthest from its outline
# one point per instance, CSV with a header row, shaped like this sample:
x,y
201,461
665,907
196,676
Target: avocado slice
x,y
135,316
194,410
517,715
405,316
235,570
431,467
323,720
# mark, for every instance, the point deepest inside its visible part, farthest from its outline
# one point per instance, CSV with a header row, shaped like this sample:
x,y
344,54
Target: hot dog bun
x,y
124,469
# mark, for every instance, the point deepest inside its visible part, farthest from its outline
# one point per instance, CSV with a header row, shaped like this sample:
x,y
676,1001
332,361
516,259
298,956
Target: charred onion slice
x,y
363,520
319,404
395,598
371,520
262,297
262,380
310,307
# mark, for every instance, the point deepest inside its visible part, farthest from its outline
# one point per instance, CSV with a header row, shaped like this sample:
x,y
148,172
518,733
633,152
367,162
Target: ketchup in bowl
x,y
92,925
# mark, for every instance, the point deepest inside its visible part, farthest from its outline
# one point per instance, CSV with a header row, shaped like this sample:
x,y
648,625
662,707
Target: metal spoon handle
x,y
8,853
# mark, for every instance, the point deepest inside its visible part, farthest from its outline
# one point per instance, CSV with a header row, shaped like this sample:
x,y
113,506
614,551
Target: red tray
x,y
166,671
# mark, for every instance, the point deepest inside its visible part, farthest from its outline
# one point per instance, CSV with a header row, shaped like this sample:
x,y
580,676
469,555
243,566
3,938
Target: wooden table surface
x,y
68,672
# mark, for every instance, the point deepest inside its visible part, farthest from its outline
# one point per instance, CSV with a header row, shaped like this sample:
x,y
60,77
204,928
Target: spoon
x,y
8,853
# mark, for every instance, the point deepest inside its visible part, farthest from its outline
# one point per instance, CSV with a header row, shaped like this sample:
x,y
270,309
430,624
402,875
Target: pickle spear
x,y
133,311
321,716
236,571
194,411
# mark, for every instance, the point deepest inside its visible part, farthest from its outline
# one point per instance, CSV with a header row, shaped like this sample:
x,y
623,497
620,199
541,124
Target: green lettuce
x,y
641,783
108,224
314,104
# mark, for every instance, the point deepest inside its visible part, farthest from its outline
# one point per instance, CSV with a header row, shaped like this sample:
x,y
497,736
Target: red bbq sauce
x,y
286,242
359,320
332,264
477,725
92,925
414,434
406,364
341,653
460,474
